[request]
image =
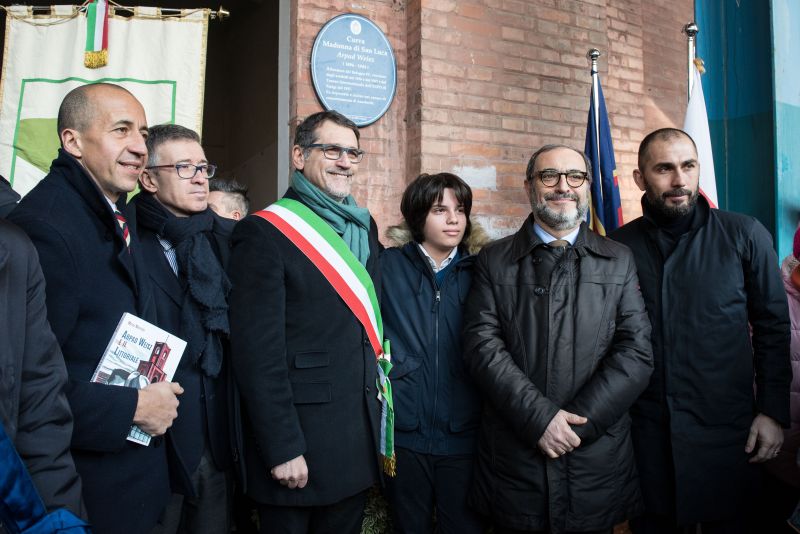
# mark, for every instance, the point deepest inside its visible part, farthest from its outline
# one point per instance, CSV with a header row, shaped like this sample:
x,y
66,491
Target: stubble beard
x,y
659,202
558,220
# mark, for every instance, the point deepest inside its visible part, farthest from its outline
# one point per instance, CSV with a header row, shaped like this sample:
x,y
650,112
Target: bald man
x,y
76,218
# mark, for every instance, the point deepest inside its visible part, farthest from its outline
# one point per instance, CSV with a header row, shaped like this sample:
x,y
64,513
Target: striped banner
x,y
96,54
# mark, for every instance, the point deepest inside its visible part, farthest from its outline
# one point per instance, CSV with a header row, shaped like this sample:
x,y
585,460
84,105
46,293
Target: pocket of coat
x,y
311,392
311,359
406,383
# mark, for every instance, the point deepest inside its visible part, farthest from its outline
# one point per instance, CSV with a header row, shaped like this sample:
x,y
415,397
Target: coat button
x,y
539,291
366,388
366,342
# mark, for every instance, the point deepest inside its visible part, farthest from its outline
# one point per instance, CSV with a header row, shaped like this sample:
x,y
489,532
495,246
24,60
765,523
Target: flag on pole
x,y
605,210
96,54
696,125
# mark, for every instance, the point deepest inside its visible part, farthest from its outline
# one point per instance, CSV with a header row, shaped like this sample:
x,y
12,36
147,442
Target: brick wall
x,y
483,83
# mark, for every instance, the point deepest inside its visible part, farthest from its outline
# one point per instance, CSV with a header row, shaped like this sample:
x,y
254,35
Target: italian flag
x,y
96,54
351,281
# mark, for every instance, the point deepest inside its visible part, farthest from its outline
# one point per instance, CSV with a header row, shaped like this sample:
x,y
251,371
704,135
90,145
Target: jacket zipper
x,y
436,301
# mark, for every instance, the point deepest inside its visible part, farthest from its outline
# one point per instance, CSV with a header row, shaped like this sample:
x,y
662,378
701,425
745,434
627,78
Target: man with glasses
x,y
185,245
94,272
557,338
303,360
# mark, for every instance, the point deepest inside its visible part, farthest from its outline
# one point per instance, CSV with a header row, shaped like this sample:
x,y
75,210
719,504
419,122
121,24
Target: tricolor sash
x,y
328,252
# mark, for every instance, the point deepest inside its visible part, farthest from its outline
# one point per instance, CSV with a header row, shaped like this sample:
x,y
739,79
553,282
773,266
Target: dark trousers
x,y
658,524
343,517
208,512
425,482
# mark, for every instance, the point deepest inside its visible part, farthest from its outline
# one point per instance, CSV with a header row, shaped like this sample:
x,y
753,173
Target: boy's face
x,y
445,224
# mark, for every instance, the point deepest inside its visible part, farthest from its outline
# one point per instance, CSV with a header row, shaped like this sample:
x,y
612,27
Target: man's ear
x,y
298,160
528,185
236,215
148,182
71,142
639,179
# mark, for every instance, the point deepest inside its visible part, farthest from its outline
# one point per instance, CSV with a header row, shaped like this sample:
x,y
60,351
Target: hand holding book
x,y
157,407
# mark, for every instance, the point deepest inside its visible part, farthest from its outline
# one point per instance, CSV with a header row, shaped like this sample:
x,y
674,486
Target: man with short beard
x,y
557,338
710,279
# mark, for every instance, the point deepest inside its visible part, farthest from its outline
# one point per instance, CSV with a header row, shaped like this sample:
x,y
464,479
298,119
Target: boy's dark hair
x,y
306,131
424,192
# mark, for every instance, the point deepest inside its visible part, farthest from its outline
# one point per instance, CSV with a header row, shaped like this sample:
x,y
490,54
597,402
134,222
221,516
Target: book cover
x,y
139,354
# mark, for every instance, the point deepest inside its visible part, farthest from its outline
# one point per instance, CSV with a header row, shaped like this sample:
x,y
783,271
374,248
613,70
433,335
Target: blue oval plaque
x,y
353,68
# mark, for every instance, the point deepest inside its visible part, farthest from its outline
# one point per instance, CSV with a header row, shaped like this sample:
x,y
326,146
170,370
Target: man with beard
x,y
700,430
557,338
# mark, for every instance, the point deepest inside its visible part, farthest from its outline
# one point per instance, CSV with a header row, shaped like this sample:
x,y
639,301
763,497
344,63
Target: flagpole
x,y
691,30
593,54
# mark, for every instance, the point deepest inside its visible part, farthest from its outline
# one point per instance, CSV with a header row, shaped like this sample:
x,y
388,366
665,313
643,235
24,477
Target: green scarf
x,y
345,217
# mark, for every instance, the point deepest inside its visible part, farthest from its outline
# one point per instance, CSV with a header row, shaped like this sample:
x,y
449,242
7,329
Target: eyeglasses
x,y
334,152
551,177
187,171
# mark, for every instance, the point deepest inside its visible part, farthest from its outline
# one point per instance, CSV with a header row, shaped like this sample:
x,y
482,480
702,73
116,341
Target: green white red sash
x,y
351,281
96,54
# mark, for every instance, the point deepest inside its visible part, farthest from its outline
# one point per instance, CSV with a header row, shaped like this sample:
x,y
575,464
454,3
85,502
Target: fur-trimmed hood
x,y
400,234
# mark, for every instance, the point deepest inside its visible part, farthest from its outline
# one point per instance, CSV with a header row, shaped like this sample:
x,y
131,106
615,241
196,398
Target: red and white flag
x,y
696,125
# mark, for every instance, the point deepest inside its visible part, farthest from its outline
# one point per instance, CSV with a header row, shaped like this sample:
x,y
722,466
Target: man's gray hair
x,y
164,133
548,148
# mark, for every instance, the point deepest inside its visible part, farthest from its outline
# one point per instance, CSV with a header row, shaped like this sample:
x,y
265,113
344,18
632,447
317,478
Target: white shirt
x,y
547,238
432,262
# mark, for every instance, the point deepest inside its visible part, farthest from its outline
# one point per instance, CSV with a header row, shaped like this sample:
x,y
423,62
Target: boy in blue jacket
x,y
425,282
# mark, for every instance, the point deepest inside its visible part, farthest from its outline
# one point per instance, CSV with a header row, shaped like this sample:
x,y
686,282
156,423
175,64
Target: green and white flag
x,y
160,60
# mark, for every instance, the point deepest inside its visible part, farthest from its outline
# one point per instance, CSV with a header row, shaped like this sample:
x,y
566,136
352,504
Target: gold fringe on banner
x,y
96,59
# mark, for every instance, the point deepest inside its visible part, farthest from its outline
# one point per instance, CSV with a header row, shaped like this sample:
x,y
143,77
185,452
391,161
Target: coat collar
x,y
526,239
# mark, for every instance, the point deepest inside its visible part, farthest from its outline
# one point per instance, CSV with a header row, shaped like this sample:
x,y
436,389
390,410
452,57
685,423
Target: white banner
x,y
162,61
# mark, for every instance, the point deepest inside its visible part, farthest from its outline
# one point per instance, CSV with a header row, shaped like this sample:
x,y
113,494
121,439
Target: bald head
x,y
78,109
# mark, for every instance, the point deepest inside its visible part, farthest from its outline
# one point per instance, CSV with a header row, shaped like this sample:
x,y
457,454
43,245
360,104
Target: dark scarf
x,y
204,312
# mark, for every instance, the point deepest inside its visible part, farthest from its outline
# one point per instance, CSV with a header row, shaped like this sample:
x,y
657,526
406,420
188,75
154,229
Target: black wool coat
x,y
33,407
721,280
91,281
204,413
305,370
596,362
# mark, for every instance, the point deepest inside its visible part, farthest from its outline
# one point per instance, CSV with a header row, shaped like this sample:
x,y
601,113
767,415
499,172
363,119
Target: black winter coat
x,y
598,361
436,405
697,410
305,370
204,413
91,281
33,408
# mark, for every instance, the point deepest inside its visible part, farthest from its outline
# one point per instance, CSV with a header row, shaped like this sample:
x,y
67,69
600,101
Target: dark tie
x,y
558,243
123,224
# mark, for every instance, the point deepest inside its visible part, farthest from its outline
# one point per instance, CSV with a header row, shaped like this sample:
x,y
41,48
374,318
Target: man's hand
x,y
768,434
558,438
157,407
293,474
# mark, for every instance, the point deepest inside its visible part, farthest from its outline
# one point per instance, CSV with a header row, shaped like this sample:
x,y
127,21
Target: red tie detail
x,y
123,224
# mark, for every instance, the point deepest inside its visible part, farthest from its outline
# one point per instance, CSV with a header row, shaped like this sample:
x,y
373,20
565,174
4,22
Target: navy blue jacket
x,y
91,281
436,406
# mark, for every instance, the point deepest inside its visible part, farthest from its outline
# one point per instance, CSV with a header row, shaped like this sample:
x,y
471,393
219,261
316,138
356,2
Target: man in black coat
x,y
94,274
715,297
185,246
556,337
33,407
303,363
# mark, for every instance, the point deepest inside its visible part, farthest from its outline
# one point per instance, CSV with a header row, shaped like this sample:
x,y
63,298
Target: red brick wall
x,y
483,83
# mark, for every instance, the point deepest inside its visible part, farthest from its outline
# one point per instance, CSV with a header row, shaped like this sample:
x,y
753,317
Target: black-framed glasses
x,y
187,171
334,152
551,177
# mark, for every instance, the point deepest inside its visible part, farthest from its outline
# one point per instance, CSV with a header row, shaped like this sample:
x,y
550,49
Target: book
x,y
139,354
